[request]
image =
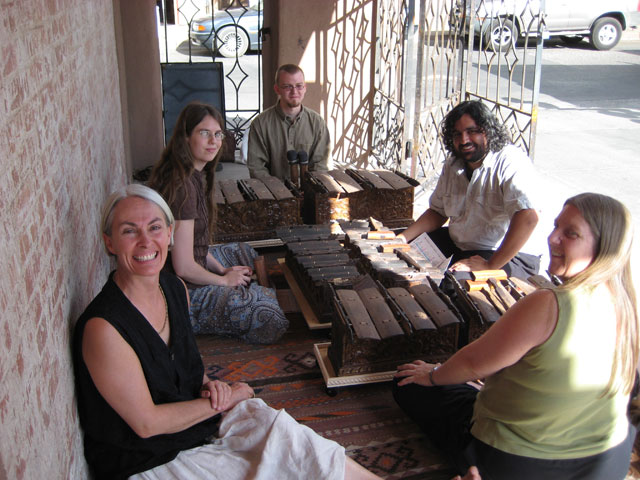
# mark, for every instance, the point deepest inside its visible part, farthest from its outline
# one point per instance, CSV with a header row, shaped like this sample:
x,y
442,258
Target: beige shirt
x,y
480,210
273,133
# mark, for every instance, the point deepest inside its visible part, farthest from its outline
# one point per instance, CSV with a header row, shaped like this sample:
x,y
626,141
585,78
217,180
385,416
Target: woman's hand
x,y
240,391
219,393
224,396
240,268
237,277
415,372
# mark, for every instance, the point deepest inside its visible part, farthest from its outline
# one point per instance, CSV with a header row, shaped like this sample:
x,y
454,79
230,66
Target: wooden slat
x,y
504,295
329,183
231,192
392,247
312,261
523,285
259,188
277,188
380,235
396,181
315,247
410,259
375,180
493,298
357,314
487,310
433,304
345,181
416,315
380,313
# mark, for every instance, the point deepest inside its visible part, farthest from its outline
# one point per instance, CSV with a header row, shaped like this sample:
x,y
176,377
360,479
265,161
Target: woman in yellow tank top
x,y
559,365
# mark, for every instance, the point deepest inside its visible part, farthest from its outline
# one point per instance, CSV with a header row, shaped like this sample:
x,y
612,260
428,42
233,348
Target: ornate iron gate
x,y
201,33
505,68
436,68
448,56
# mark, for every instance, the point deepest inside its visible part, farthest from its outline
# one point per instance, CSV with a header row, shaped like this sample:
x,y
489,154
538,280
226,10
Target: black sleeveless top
x,y
174,373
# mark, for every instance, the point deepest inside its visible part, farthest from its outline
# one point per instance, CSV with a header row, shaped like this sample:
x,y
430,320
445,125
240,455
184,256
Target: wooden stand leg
x,y
261,271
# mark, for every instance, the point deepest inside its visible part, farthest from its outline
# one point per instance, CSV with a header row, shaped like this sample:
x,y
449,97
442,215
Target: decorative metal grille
x,y
437,85
452,55
388,109
242,73
504,70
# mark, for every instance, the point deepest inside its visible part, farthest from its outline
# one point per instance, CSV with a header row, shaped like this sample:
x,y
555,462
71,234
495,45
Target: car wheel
x,y
571,39
232,41
605,33
500,36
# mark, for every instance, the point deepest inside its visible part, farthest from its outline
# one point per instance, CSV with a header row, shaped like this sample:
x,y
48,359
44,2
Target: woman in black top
x,y
146,406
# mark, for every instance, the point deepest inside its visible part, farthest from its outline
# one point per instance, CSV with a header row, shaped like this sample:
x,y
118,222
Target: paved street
x,y
589,121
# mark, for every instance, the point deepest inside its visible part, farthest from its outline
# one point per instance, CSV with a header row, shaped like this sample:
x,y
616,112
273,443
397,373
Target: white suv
x,y
500,23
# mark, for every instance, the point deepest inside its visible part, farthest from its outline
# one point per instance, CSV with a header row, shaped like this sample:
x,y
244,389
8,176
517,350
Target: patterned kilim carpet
x,y
364,419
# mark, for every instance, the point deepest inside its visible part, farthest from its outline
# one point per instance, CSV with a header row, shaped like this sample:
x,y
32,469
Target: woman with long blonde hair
x,y
559,366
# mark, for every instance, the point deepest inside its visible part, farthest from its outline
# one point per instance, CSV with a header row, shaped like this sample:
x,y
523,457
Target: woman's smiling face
x,y
205,142
572,245
139,237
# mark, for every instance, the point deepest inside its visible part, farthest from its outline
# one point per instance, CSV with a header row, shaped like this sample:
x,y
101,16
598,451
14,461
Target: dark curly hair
x,y
176,164
497,134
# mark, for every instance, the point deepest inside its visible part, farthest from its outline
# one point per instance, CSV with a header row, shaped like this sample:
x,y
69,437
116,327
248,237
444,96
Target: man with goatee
x,y
486,193
288,131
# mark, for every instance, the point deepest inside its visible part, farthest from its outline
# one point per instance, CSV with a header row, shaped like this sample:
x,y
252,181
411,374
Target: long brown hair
x,y
612,226
176,164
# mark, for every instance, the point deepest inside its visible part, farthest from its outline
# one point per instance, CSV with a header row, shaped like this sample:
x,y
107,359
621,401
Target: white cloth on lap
x,y
256,442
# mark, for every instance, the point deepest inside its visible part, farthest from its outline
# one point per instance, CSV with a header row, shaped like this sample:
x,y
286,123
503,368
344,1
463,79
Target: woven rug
x,y
364,419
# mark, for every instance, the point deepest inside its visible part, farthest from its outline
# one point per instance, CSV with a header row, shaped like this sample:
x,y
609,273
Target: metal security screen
x,y
183,83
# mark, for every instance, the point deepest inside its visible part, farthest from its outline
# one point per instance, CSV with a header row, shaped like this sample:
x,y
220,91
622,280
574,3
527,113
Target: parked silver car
x,y
500,23
230,32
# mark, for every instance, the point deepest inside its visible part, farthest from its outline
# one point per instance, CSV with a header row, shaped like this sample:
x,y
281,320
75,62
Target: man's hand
x,y
474,263
472,474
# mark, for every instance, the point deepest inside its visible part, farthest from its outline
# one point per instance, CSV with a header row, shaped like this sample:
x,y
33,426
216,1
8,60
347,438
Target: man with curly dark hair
x,y
486,192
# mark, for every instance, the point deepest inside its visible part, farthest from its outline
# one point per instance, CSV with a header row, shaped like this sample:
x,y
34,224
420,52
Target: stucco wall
x,y
61,152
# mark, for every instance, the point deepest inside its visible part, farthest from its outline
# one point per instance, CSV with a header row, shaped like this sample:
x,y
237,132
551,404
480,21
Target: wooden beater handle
x,y
473,285
484,275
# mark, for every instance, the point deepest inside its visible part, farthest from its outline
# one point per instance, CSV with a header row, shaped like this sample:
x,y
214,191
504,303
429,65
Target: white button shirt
x,y
480,210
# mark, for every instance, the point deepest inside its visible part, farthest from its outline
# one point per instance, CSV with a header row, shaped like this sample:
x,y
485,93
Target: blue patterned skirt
x,y
251,313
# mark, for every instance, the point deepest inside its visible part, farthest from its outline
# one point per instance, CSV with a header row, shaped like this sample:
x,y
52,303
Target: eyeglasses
x,y
208,134
289,88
